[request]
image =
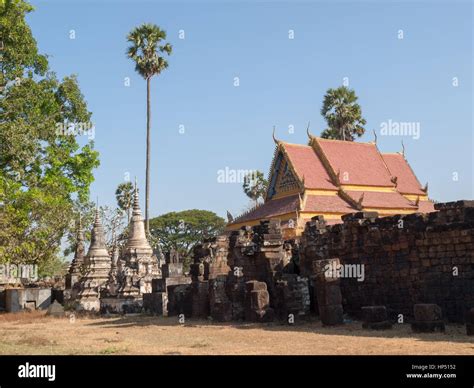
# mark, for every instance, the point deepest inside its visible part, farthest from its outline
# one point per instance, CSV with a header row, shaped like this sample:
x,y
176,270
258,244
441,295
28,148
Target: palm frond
x,y
145,49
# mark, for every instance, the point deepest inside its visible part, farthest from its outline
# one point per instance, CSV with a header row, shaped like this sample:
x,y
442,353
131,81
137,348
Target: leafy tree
x,y
114,226
342,114
182,230
124,196
255,186
85,212
113,221
54,266
44,172
146,50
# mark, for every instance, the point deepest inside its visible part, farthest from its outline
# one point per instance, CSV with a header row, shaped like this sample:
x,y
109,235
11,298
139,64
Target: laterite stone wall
x,y
407,259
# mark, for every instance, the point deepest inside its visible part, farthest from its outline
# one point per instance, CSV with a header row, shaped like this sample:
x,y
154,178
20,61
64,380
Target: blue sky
x,y
282,82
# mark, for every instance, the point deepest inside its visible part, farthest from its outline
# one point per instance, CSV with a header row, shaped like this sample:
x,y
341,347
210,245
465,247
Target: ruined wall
x,y
248,275
408,259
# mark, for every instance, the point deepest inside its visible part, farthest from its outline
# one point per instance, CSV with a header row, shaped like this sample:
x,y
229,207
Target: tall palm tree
x,y
343,115
147,50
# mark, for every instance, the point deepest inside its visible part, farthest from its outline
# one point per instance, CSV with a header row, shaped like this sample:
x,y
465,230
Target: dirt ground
x,y
36,334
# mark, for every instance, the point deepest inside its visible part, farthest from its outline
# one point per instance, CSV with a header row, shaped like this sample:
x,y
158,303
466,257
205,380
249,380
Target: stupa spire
x,y
98,246
137,237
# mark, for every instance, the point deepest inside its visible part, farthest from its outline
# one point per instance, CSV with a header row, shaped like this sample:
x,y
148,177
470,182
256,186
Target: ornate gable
x,y
282,177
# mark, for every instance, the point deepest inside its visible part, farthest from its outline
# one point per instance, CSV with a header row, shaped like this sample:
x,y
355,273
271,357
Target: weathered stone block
x,y
200,299
156,303
221,311
331,315
259,299
323,270
425,312
172,269
254,285
328,294
180,300
360,216
261,316
371,314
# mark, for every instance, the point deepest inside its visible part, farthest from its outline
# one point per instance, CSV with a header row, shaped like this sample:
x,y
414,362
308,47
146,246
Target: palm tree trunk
x,y
148,125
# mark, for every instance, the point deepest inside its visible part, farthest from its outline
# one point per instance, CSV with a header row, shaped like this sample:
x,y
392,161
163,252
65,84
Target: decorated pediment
x,y
282,178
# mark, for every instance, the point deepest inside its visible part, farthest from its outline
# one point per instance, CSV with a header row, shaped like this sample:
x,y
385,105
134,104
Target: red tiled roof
x,y
383,200
426,207
327,203
272,208
407,183
307,164
361,162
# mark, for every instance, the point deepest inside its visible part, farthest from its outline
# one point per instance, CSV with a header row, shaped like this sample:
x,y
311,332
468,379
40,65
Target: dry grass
x,y
33,333
23,317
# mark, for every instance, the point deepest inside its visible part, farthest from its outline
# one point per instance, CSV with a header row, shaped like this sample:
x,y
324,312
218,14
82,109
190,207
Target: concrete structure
x,y
18,299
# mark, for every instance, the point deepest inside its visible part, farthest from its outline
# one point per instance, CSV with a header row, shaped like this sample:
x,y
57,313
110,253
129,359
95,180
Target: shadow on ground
x,y
454,332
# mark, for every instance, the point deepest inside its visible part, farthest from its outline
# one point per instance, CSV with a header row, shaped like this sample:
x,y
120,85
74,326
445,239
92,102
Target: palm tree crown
x,y
343,115
147,43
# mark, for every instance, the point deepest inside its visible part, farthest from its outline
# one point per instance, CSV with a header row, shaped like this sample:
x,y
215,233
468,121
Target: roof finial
x,y
338,176
375,136
307,131
274,138
425,189
403,149
359,202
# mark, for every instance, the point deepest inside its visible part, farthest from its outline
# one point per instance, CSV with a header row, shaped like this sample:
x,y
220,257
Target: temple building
x,y
332,178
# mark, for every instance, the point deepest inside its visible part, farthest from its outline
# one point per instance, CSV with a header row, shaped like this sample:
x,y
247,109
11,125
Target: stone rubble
x,y
410,265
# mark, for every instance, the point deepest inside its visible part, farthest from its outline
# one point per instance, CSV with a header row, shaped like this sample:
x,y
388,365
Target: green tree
x,y
124,196
54,266
44,172
255,185
180,231
342,114
146,50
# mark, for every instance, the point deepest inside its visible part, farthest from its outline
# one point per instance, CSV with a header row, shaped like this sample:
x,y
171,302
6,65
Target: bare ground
x,y
36,334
